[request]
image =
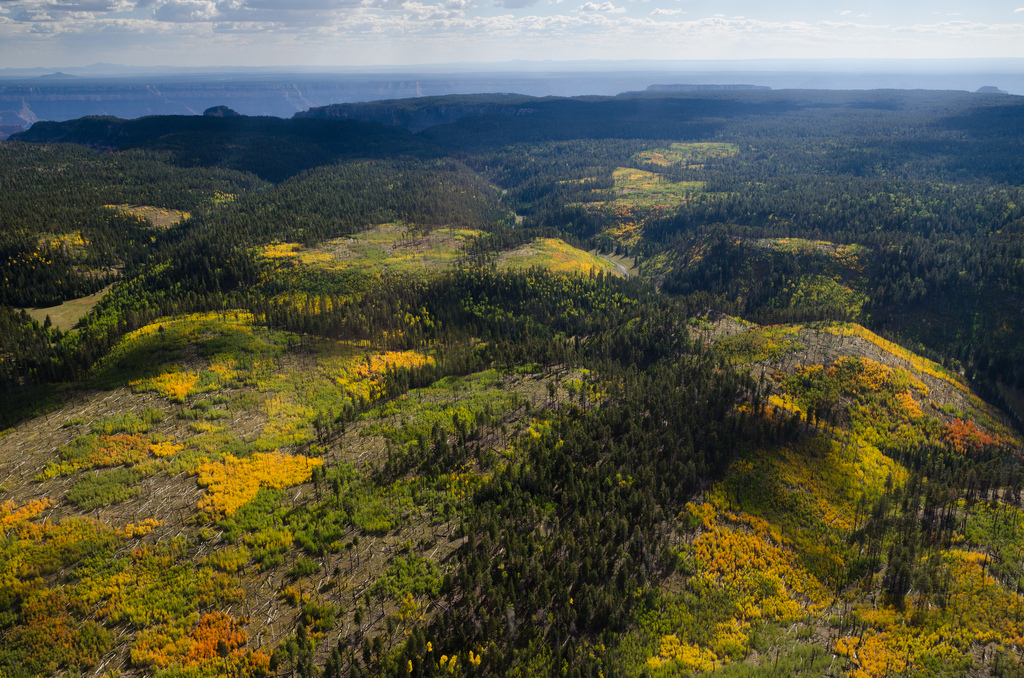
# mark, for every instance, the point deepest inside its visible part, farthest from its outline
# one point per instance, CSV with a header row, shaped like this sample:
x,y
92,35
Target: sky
x,y
353,33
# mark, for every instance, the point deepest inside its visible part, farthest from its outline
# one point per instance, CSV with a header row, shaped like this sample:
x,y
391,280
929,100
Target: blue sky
x,y
55,33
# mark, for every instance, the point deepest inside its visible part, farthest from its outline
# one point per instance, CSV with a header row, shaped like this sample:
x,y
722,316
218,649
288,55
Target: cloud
x,y
288,5
515,4
844,12
31,11
365,32
605,6
186,11
33,15
1019,9
89,5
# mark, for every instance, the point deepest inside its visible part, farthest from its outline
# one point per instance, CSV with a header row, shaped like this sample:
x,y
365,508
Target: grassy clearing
x,y
397,248
638,196
157,217
761,344
691,155
641,189
72,244
66,315
852,256
555,255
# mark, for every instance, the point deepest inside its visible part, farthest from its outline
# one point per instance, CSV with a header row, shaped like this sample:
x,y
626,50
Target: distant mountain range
x,y
34,94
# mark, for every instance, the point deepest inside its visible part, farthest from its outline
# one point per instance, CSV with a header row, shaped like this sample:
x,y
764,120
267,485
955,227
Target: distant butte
x,y
220,112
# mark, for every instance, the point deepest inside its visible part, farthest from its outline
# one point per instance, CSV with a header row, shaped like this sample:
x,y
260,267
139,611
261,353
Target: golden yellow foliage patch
x,y
690,657
175,386
233,482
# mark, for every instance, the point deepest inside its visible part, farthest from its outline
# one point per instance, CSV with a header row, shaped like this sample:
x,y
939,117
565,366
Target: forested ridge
x,y
659,384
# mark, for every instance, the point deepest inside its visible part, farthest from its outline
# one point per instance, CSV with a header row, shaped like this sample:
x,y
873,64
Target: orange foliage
x,y
11,513
212,629
965,436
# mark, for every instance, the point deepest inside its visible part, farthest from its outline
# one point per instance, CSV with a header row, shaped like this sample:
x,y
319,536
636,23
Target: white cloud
x,y
89,5
287,5
605,6
514,4
32,14
186,11
364,32
1019,9
844,12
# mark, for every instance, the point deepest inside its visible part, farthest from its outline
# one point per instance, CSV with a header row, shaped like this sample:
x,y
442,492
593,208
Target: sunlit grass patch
x,y
852,254
555,255
73,243
160,217
639,188
687,154
144,359
395,247
761,344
